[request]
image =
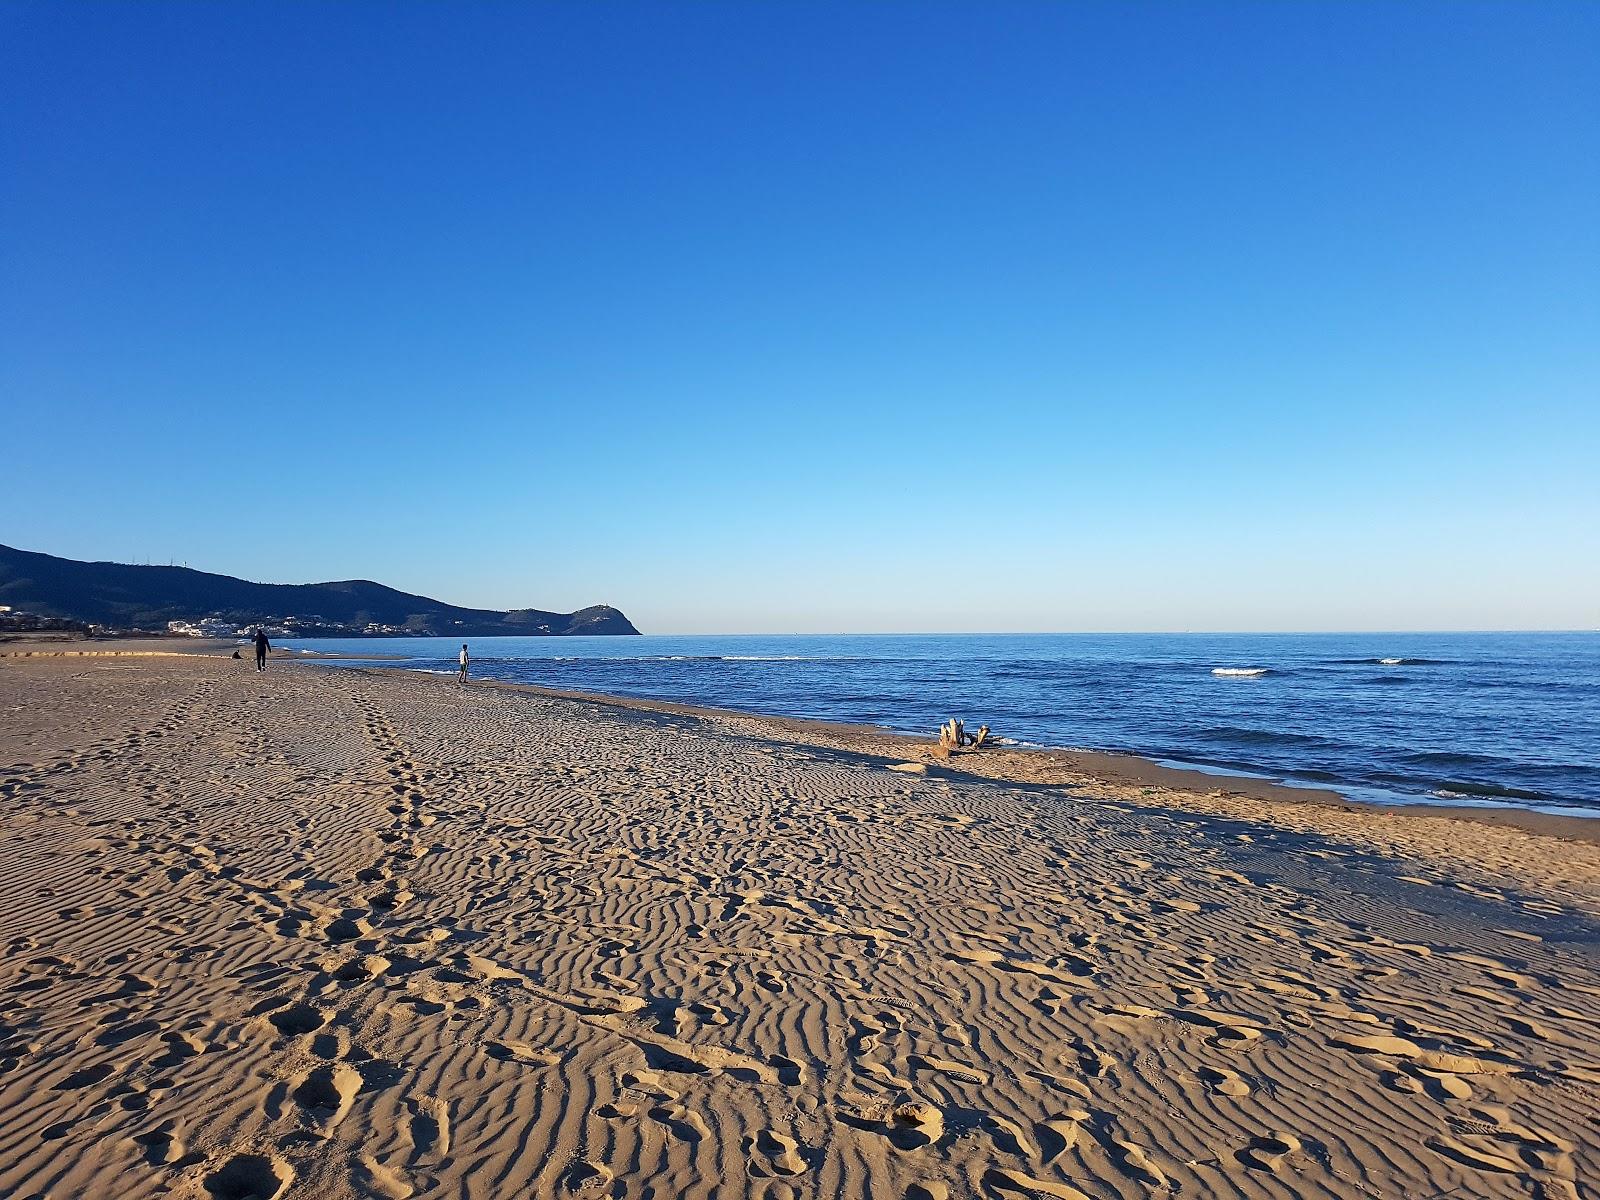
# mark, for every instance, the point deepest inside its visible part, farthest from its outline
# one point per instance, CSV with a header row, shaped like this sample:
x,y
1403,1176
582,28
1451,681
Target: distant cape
x,y
122,596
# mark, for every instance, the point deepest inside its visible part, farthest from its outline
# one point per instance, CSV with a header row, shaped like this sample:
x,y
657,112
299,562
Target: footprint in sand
x,y
326,1093
945,1066
87,1077
132,985
358,970
1224,1082
1495,1141
1400,1081
908,1126
771,981
1266,1152
161,1144
521,1052
297,1019
348,928
1442,1086
1232,1032
1478,1156
881,1076
250,1177
1092,1061
126,1032
1135,1161
180,1046
864,1036
773,1153
1431,1063
1007,1183
375,1179
648,1083
1132,1012
1052,1000
429,1129
1008,1136
711,1014
1066,1085
1059,1132
586,1178
683,1123
391,898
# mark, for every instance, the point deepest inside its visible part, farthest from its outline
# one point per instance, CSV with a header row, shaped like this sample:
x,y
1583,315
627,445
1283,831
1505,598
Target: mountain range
x,y
124,596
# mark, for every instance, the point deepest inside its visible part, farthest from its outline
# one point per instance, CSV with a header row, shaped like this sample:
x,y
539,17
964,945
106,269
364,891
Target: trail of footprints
x,y
544,950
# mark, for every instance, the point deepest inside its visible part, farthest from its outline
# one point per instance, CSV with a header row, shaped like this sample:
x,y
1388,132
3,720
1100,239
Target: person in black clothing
x,y
262,646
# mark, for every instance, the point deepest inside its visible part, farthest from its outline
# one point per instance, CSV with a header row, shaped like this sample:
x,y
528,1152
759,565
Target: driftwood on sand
x,y
953,735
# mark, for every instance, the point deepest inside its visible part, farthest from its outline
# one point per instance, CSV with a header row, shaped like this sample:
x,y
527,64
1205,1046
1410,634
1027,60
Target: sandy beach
x,y
335,932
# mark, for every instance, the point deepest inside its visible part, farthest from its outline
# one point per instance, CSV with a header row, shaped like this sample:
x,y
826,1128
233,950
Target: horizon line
x,y
1062,633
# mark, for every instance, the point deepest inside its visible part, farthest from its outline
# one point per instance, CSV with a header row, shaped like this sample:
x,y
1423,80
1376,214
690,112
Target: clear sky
x,y
791,317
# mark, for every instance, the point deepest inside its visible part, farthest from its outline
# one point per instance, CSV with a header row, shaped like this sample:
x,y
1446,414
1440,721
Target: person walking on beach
x,y
262,646
461,676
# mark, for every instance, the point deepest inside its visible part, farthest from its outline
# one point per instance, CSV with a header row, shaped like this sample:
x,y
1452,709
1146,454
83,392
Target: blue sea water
x,y
1498,718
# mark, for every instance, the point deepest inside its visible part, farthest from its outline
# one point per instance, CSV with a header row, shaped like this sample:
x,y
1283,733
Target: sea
x,y
1489,719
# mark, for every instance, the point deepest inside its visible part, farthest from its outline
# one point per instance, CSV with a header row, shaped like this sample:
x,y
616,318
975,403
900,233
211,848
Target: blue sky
x,y
801,317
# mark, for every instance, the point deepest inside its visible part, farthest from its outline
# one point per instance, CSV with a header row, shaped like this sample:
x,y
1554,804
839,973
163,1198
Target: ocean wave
x,y
734,658
1241,672
1447,759
1314,775
1391,662
1469,788
1258,737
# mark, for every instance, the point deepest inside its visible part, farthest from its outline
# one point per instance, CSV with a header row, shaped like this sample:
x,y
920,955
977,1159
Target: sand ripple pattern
x,y
353,934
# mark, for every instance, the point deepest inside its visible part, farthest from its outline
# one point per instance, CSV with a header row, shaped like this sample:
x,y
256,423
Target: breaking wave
x,y
1391,662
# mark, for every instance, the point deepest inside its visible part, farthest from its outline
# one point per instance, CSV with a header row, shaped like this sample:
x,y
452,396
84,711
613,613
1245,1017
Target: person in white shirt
x,y
461,678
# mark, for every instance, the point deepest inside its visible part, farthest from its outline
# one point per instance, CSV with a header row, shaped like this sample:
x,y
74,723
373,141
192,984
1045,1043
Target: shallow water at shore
x,y
1504,718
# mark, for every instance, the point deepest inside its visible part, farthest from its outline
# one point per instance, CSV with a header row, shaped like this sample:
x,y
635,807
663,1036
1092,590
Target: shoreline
x,y
1016,764
1043,765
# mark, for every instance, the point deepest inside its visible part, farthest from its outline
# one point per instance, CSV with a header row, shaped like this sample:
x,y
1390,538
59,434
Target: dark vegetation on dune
x,y
123,596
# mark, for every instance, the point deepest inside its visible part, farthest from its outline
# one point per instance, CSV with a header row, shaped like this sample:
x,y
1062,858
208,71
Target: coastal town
x,y
15,621
284,627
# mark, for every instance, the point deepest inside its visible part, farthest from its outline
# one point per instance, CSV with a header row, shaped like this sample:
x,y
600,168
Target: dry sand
x,y
334,932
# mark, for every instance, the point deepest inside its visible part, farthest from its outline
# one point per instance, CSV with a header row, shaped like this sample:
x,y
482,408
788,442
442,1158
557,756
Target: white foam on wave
x,y
1391,662
724,658
1239,671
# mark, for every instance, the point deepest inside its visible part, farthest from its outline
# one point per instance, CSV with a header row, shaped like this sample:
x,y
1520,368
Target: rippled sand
x,y
329,933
